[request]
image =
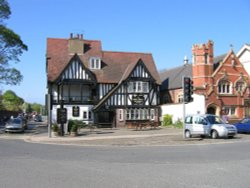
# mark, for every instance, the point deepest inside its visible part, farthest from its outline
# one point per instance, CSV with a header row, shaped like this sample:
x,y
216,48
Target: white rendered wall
x,y
245,60
176,110
86,108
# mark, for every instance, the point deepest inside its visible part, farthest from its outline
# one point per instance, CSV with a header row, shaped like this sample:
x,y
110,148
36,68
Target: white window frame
x,y
95,63
85,115
138,87
137,114
89,114
152,114
230,110
224,87
240,86
121,118
180,98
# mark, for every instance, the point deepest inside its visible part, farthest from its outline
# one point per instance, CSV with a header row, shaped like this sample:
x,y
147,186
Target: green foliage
x,y
167,120
11,101
55,128
1,102
4,9
11,47
178,124
36,107
74,128
73,123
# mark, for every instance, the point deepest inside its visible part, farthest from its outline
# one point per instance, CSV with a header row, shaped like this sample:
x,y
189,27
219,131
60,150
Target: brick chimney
x,y
76,44
202,65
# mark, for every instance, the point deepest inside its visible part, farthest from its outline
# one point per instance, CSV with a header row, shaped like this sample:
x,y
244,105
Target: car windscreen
x,y
246,120
214,120
16,121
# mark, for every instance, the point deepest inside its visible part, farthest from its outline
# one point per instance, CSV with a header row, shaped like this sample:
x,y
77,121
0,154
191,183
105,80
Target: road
x,y
32,165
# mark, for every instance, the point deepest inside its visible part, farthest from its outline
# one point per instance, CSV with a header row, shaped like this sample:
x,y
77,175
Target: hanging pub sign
x,y
61,115
138,99
75,111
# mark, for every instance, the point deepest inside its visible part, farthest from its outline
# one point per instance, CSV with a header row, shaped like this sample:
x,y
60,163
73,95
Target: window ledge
x,y
226,95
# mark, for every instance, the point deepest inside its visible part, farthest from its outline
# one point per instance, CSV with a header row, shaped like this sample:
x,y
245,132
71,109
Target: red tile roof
x,y
116,65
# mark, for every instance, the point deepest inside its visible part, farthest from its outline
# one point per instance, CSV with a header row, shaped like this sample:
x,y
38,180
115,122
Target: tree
x,y
11,47
1,103
11,101
36,107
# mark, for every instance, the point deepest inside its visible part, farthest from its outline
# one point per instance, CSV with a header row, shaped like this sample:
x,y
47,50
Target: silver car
x,y
208,125
15,125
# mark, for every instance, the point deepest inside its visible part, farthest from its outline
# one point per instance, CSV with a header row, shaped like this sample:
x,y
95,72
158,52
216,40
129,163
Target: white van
x,y
208,125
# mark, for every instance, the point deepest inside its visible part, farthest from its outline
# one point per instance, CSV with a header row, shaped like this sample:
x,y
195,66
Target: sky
x,y
165,28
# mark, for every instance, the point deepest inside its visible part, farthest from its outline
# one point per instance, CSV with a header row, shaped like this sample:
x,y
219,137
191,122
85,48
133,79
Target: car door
x,y
242,126
239,126
198,125
246,125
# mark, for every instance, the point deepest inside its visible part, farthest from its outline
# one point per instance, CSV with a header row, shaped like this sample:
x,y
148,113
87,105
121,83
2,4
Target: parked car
x,y
243,126
208,125
38,118
15,125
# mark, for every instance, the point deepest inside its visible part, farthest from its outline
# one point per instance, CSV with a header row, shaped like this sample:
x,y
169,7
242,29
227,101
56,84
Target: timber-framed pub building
x,y
107,88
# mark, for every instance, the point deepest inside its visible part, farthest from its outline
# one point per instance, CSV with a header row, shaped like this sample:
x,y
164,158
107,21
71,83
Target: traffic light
x,y
187,89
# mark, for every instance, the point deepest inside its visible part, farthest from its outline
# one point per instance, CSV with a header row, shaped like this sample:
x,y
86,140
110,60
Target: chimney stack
x,y
76,44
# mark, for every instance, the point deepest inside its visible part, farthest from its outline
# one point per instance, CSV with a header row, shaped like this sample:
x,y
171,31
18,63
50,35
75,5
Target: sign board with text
x,y
75,111
61,115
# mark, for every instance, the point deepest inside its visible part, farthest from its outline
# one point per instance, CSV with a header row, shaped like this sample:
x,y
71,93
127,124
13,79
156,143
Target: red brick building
x,y
222,80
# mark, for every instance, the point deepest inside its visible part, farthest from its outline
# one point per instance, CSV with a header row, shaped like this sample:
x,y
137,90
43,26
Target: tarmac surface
x,y
160,136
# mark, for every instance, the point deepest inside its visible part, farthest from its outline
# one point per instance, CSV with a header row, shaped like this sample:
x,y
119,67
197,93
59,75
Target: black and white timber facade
x,y
110,89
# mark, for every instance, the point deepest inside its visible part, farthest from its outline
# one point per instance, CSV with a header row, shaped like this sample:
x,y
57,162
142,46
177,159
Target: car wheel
x,y
214,134
187,134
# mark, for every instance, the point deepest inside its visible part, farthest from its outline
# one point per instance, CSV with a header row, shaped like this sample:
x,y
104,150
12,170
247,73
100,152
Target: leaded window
x,y
224,87
138,87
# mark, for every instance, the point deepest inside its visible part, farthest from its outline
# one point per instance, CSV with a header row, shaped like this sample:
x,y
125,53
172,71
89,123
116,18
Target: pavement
x,y
160,136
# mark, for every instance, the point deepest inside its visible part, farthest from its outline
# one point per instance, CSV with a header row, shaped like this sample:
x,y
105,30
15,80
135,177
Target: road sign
x,y
61,115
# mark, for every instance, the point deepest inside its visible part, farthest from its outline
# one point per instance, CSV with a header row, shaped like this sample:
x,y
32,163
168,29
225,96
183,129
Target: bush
x,y
74,128
178,124
55,128
70,124
78,123
167,120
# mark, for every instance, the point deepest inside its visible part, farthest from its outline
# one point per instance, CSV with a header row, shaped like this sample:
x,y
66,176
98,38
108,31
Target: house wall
x,y
245,60
176,110
82,109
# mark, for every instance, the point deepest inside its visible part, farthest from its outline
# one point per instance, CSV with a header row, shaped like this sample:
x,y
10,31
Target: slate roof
x,y
172,78
218,59
116,65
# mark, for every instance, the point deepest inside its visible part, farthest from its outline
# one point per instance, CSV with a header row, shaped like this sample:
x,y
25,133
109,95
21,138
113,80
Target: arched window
x,y
224,87
240,86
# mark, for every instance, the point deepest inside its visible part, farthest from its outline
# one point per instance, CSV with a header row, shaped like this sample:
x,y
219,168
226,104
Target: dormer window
x,y
95,63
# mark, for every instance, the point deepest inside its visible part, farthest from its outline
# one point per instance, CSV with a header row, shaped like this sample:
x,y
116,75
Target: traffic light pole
x,y
184,107
187,86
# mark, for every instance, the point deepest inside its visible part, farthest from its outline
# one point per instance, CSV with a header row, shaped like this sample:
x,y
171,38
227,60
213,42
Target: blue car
x,y
243,126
